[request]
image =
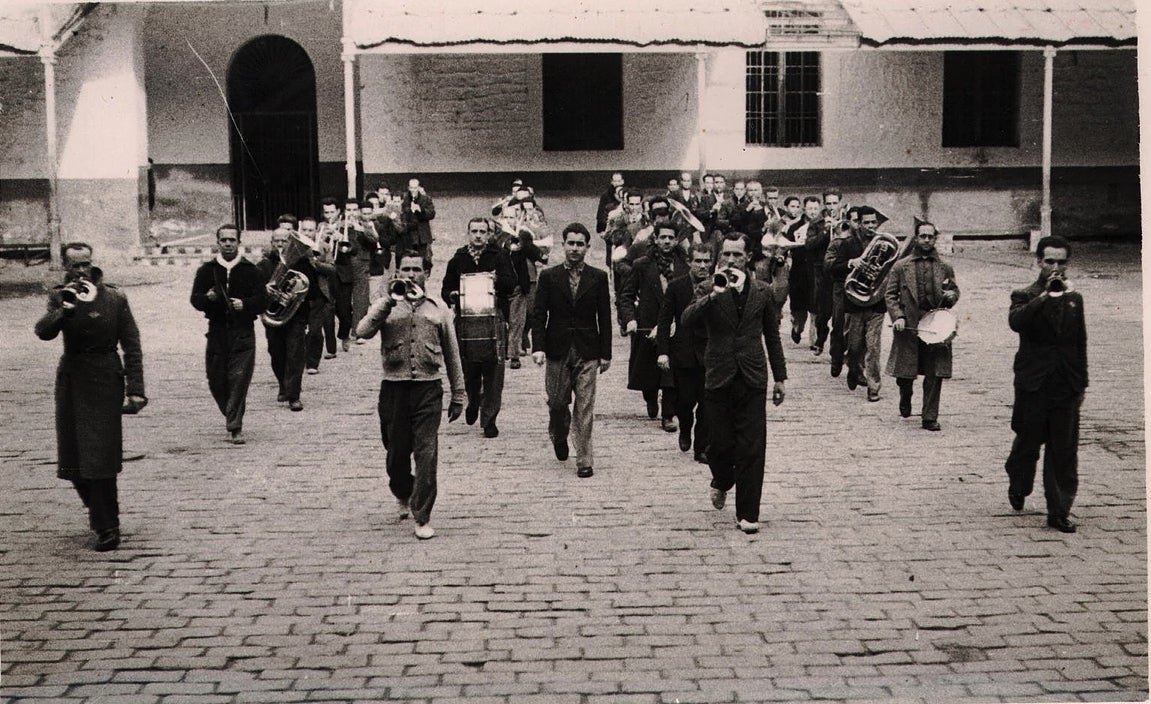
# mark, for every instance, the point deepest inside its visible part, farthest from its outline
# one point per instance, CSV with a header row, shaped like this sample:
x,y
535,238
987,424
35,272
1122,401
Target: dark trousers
x,y
286,345
932,387
229,361
690,405
838,345
410,425
484,382
737,443
1046,418
670,403
822,306
320,322
799,290
343,293
101,499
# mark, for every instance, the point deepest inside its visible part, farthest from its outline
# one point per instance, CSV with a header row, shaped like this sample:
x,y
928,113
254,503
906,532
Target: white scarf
x,y
227,264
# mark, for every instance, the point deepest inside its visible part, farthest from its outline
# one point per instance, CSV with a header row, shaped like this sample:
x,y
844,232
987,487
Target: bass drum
x,y
938,327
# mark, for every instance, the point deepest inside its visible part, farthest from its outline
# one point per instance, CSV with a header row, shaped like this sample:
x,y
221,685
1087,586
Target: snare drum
x,y
479,325
478,294
938,326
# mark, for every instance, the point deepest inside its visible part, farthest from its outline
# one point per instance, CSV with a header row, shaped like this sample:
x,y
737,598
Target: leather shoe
x,y
700,456
108,540
852,380
816,349
684,442
281,398
836,369
471,413
796,335
584,472
296,405
932,425
904,407
561,448
669,425
491,431
652,409
1016,500
873,396
1061,524
514,363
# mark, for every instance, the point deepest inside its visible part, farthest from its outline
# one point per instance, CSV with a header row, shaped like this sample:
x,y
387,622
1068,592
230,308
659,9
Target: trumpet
x,y
731,277
403,289
77,291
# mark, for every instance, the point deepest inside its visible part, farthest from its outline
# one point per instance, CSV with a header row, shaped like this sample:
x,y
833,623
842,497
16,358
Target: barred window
x,y
783,98
981,99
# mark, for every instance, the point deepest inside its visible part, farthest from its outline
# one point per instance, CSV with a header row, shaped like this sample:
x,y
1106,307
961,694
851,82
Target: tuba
x,y
287,288
863,286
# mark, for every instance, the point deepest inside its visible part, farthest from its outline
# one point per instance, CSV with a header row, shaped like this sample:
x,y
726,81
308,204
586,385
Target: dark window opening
x,y
582,102
783,98
981,99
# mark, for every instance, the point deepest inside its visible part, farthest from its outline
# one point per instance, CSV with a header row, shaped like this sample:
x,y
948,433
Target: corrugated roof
x,y
639,23
994,22
20,28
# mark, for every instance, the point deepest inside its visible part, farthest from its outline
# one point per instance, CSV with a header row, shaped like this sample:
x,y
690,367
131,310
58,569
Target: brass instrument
x,y
729,278
79,290
1057,284
287,288
403,289
864,284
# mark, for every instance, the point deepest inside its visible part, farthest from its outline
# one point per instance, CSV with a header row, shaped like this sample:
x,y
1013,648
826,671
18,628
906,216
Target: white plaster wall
x,y
884,110
483,112
187,118
22,134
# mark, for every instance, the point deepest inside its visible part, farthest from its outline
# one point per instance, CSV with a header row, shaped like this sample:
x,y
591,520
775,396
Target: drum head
x,y
937,326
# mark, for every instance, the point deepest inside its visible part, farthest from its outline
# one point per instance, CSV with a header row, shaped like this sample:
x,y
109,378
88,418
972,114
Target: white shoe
x,y
748,527
718,498
402,507
424,532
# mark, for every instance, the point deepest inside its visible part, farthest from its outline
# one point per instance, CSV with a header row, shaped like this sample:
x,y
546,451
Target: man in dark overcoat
x,y
91,385
416,214
1050,382
917,284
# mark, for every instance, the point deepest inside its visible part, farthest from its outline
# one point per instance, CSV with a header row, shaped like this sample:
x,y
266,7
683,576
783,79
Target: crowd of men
x,y
701,277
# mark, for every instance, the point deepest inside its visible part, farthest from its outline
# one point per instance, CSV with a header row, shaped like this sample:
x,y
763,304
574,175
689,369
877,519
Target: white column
x,y
349,58
700,90
48,58
1048,95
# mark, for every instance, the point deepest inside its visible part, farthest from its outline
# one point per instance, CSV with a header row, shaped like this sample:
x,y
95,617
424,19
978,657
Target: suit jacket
x,y
686,346
902,299
643,292
735,342
1052,338
560,321
417,226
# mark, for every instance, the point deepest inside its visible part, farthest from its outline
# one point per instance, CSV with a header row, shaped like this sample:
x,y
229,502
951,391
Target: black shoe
x,y
836,369
471,413
816,349
584,472
282,398
1016,500
852,380
296,405
700,456
108,540
796,335
904,406
652,409
932,425
491,431
561,448
669,425
873,397
684,442
514,363
1061,524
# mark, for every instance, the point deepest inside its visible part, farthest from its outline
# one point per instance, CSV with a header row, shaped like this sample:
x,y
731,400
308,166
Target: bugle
x,y
729,278
79,290
403,289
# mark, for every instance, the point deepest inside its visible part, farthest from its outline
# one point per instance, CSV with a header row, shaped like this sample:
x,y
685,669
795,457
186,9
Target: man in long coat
x,y
917,284
91,384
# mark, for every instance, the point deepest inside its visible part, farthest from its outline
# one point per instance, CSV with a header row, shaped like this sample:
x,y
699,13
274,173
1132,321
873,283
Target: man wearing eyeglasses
x,y
483,362
917,284
1050,382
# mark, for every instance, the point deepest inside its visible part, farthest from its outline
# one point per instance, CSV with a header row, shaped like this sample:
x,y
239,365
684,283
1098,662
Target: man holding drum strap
x,y
918,284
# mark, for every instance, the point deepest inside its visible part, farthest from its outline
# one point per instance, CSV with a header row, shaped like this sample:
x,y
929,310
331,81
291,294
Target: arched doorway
x,y
275,159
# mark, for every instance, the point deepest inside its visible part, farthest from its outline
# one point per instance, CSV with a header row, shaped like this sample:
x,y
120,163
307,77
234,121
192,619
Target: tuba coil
x,y
863,286
287,288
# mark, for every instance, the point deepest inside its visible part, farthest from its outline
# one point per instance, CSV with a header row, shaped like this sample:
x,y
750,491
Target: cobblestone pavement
x,y
889,565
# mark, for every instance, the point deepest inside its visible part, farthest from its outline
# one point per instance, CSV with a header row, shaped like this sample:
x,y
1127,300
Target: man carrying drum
x,y
918,284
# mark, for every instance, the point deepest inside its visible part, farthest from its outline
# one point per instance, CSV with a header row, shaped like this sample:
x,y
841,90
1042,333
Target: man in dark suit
x,y
739,319
571,331
1050,381
682,352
